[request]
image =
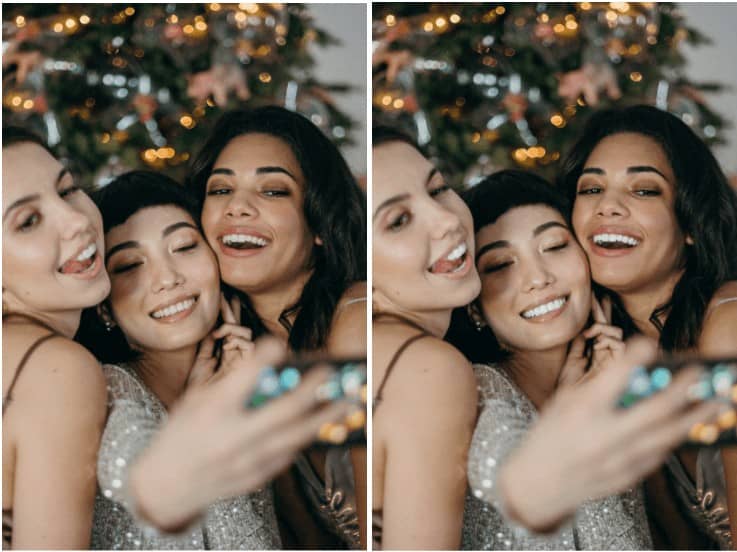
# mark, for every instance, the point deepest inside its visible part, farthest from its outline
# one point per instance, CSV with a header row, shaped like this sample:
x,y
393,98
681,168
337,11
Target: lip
x,y
548,315
179,315
94,269
603,251
232,251
462,270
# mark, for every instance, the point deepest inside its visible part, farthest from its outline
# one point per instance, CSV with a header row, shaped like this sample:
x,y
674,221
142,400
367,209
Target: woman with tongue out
x,y
286,220
52,269
658,221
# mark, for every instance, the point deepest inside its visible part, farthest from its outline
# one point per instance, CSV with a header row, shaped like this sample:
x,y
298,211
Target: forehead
x,y
247,152
27,168
147,225
518,223
628,149
397,168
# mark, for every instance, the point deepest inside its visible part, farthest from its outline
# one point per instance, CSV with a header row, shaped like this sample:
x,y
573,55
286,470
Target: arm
x,y
55,474
429,409
719,339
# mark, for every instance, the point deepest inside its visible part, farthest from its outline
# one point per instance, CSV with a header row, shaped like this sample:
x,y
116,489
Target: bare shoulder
x,y
719,332
348,329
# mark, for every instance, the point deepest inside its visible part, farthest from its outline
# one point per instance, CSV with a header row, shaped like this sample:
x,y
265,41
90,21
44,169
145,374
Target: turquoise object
x,y
660,378
289,378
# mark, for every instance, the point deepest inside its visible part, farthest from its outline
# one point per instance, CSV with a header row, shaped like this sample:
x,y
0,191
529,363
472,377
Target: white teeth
x,y
174,309
615,238
544,309
230,239
457,253
88,252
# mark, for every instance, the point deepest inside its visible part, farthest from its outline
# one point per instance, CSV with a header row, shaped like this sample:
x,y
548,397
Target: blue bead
x,y
289,378
660,378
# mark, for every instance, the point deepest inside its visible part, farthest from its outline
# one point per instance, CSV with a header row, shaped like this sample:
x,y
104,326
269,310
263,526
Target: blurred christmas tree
x,y
492,86
114,86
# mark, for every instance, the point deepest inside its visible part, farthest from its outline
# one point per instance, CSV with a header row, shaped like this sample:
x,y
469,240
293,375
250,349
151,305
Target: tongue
x,y
74,266
444,265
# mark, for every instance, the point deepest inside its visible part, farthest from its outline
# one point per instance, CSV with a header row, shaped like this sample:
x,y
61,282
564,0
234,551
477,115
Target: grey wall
x,y
716,62
346,63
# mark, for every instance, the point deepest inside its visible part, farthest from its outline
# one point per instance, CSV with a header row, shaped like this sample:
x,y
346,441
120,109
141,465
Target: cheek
x,y
209,218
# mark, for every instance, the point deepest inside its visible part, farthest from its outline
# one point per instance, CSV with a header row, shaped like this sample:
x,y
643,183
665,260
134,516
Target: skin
x,y
158,258
418,220
257,187
631,186
529,257
49,443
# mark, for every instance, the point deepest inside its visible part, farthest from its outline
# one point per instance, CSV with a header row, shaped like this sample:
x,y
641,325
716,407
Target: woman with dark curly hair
x,y
657,218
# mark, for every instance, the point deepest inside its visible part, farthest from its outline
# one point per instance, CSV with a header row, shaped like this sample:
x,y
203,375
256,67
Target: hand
x,y
592,447
237,346
608,344
213,447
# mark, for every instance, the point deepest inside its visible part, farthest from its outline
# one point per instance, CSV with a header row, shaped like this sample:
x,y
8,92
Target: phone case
x,y
718,382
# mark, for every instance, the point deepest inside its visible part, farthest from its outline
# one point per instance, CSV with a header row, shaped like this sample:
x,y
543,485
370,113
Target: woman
x,y
425,392
52,269
536,299
286,220
656,217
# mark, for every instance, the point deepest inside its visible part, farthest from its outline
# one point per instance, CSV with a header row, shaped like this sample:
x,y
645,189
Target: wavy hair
x,y
705,208
334,208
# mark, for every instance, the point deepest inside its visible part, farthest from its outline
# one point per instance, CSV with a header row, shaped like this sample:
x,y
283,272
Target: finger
x,y
226,311
235,306
577,347
233,343
232,329
606,342
606,305
207,347
603,329
201,372
596,310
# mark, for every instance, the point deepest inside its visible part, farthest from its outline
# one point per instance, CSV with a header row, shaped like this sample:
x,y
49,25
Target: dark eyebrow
x,y
176,226
259,170
401,197
536,232
26,199
630,170
123,245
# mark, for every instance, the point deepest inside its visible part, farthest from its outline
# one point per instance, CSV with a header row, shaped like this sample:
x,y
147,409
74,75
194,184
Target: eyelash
x,y
30,221
399,222
439,190
267,193
642,193
68,191
496,268
558,247
125,268
184,248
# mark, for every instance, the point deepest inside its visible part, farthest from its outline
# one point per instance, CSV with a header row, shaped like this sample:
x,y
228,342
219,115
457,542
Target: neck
x,y
434,323
270,303
166,372
641,303
536,373
64,322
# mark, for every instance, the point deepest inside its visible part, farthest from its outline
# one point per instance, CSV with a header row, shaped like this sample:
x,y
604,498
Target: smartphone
x,y
718,382
347,383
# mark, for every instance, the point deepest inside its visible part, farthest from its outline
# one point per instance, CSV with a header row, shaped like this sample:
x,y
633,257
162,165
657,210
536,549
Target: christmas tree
x,y
493,86
114,87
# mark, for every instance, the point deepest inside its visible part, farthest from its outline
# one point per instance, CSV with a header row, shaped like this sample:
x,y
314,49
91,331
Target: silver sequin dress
x,y
613,523
135,414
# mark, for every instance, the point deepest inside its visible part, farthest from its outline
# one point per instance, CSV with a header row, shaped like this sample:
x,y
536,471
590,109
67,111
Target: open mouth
x,y
453,262
82,263
176,310
615,241
243,241
553,306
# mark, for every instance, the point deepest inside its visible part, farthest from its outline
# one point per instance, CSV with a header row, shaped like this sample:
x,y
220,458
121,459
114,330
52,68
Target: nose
x,y
240,205
165,276
443,221
611,205
536,275
72,221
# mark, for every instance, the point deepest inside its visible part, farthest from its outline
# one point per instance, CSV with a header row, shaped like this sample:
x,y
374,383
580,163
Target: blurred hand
x,y
213,447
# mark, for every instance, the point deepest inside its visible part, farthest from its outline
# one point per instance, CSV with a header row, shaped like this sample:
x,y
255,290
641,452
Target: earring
x,y
478,320
478,324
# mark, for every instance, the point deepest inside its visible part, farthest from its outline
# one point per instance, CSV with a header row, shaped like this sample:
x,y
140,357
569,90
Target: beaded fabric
x,y
614,523
245,522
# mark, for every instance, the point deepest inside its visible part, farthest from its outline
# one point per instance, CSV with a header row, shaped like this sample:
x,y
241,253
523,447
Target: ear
x,y
689,240
318,240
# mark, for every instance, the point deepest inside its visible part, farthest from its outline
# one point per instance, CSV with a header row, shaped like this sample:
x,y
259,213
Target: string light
x,y
264,77
390,20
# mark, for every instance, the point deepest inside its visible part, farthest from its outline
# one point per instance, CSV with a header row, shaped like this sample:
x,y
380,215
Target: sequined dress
x,y
245,522
614,523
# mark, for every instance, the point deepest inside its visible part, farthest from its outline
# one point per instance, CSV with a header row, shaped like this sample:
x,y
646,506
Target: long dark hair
x,y
334,208
19,135
494,196
117,202
705,208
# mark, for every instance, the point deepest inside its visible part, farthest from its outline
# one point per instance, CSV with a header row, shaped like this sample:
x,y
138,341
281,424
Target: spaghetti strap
x,y
7,399
378,398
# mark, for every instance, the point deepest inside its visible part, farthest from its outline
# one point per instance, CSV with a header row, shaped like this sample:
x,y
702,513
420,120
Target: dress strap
x,y
379,394
36,344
